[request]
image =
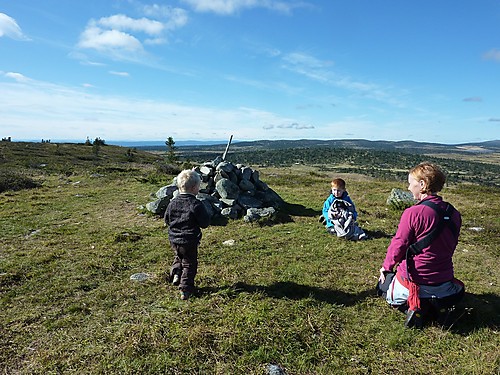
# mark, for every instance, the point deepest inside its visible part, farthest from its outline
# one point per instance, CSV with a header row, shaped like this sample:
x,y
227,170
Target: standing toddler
x,y
185,216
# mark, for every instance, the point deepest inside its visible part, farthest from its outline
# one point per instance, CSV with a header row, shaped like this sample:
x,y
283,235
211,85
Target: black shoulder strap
x,y
445,220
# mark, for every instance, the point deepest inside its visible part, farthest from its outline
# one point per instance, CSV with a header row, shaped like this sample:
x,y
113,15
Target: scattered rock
x,y
273,369
33,232
141,276
476,229
229,242
256,214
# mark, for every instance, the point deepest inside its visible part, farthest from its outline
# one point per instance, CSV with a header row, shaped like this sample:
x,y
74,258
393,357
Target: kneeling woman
x,y
424,271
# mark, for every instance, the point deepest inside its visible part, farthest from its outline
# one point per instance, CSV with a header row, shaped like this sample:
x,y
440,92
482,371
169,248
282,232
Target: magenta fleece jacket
x,y
434,265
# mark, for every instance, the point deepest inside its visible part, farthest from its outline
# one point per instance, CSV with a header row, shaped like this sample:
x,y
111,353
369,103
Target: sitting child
x,y
339,213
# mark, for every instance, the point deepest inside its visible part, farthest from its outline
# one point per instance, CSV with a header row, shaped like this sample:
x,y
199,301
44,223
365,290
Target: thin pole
x,y
227,147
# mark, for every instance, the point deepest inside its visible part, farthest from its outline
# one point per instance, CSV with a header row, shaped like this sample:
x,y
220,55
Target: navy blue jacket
x,y
185,216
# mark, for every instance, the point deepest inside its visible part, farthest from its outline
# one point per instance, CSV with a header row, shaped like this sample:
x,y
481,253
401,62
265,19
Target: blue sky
x,y
255,69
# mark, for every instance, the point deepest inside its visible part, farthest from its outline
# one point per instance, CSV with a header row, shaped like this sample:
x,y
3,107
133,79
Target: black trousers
x,y
185,265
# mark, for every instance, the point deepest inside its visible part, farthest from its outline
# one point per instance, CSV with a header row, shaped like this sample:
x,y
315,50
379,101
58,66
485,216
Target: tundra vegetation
x,y
73,231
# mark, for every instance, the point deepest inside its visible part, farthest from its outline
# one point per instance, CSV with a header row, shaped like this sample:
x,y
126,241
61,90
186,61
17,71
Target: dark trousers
x,y
185,265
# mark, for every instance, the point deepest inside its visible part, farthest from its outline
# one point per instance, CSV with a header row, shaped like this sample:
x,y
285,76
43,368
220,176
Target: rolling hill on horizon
x,y
400,146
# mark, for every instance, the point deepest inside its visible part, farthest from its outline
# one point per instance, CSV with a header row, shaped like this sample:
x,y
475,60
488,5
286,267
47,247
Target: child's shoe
x,y
185,295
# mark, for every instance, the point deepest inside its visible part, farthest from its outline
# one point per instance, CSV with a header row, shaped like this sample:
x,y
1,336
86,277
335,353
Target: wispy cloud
x,y
264,85
121,74
293,125
38,109
18,77
322,71
494,119
474,99
492,54
229,7
10,28
173,18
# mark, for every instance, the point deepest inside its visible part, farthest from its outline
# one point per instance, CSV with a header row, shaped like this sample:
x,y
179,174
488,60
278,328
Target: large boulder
x,y
399,199
227,189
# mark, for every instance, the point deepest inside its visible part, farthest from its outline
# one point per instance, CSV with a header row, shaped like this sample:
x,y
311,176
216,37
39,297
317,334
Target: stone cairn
x,y
228,190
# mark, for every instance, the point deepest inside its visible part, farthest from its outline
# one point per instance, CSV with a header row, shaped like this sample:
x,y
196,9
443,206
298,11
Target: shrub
x,y
16,181
170,169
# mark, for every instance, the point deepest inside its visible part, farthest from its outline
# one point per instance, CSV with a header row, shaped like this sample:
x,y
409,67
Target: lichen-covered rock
x,y
159,206
227,189
399,199
166,191
230,212
256,214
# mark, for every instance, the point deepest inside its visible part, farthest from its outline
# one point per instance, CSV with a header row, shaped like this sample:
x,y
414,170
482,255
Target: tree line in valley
x,y
388,165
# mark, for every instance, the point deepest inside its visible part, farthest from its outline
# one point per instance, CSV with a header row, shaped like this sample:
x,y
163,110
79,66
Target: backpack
x,y
341,214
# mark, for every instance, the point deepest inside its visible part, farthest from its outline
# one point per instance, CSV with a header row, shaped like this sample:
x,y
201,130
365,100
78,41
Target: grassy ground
x,y
287,294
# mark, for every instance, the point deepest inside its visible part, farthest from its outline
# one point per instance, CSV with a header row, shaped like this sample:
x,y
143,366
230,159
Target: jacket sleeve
x,y
405,236
202,216
166,216
354,212
326,207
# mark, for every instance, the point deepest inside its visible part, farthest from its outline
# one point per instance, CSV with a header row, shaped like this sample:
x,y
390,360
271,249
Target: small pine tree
x,y
171,157
96,147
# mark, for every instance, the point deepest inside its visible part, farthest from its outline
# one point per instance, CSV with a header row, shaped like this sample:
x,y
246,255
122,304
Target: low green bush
x,y
15,181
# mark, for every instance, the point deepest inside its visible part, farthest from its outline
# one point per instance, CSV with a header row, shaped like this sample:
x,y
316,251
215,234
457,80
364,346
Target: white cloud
x,y
155,41
17,76
122,37
124,23
10,28
174,17
228,7
105,40
295,125
287,126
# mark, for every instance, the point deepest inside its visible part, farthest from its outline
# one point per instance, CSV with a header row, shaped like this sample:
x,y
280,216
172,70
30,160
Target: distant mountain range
x,y
401,146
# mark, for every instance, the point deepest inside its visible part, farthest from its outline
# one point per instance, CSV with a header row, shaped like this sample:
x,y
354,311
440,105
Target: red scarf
x,y
413,296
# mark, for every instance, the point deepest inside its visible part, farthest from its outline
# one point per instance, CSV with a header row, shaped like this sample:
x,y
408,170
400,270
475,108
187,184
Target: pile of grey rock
x,y
228,190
